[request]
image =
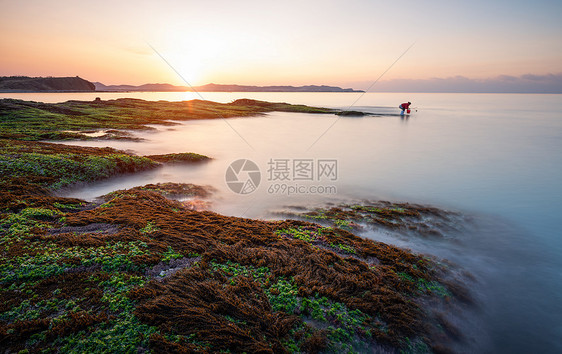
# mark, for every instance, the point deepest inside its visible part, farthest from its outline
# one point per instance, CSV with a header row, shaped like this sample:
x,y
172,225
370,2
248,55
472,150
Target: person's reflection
x,y
404,118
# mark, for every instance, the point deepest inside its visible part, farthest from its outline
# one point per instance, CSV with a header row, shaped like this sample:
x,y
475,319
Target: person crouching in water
x,y
405,107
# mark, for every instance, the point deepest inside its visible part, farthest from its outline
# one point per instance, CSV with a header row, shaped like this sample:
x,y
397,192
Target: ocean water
x,y
497,159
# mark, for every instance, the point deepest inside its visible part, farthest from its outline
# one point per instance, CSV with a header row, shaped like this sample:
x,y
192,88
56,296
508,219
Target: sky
x,y
343,43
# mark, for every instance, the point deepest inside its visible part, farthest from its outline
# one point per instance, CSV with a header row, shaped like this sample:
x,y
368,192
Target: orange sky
x,y
291,42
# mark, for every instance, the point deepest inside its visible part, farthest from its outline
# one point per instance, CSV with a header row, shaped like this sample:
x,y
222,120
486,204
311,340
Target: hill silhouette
x,y
40,84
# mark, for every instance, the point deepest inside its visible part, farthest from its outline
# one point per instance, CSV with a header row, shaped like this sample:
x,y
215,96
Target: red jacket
x,y
405,105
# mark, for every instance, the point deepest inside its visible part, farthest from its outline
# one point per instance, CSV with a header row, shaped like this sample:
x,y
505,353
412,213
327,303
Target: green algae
x,y
69,169
56,166
179,157
299,233
123,334
113,269
149,228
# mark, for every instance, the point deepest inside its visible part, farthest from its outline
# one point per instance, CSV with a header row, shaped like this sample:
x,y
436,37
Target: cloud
x,y
529,83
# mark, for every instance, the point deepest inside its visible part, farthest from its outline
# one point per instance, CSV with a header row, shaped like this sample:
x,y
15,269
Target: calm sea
x,y
495,158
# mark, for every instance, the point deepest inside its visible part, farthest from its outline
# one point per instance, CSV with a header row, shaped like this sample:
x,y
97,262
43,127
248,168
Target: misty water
x,y
497,159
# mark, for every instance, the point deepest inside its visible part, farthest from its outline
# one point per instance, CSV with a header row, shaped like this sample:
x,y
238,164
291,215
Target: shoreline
x,y
150,272
29,120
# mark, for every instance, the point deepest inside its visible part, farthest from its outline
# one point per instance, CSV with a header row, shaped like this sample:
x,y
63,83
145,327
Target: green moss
x,y
65,169
369,209
343,224
343,324
123,334
299,233
433,286
283,296
426,286
170,254
149,228
69,206
316,216
345,248
233,270
49,259
179,157
19,225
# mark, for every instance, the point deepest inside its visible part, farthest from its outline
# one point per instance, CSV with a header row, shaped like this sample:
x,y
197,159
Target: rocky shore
x,y
142,270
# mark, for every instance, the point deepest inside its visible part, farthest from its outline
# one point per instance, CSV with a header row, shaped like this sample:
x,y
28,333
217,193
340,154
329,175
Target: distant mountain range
x,y
44,84
221,88
70,84
550,83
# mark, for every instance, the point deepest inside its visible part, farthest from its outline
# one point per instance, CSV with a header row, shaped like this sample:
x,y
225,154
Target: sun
x,y
193,56
188,68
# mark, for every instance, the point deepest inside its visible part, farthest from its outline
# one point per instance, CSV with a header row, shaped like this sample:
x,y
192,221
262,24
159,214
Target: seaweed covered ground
x,y
27,120
411,219
56,165
140,270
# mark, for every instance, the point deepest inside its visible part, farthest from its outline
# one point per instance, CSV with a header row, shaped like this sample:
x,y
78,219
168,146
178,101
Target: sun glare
x,y
194,56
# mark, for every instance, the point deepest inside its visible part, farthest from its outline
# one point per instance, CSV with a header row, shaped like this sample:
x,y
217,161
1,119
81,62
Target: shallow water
x,y
496,158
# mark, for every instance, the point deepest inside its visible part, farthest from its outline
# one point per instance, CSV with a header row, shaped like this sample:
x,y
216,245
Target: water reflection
x,y
404,118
